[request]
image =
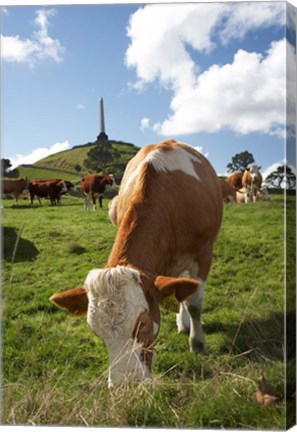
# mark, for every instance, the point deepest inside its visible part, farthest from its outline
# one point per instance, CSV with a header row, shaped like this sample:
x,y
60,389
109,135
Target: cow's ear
x,y
259,167
75,301
181,287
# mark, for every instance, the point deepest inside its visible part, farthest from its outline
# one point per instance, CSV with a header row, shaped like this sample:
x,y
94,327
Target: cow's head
x,y
122,309
63,186
254,169
111,176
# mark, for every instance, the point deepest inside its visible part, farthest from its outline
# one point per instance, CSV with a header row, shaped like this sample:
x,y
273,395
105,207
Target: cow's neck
x,y
142,244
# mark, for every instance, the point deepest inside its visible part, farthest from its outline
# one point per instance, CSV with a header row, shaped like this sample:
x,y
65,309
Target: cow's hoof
x,y
198,347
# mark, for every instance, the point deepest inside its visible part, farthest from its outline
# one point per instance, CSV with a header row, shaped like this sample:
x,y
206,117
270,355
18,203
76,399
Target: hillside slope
x,y
68,159
63,164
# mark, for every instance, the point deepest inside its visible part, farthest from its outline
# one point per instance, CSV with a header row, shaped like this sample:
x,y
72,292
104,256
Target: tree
x,y
77,168
99,156
5,169
240,161
5,165
283,175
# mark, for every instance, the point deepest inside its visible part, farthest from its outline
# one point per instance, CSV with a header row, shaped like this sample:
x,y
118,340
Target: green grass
x,y
55,370
33,172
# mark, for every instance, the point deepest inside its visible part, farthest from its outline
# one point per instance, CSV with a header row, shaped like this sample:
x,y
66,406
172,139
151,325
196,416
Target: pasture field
x,y
55,369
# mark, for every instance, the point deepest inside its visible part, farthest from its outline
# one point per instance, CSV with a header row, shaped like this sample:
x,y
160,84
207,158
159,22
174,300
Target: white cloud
x,y
274,167
40,46
200,150
237,95
80,106
145,123
38,154
271,168
249,16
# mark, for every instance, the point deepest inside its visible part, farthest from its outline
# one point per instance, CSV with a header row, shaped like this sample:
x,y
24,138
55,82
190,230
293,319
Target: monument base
x,y
102,137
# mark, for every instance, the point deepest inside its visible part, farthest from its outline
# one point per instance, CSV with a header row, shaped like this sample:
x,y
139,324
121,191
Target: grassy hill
x,y
63,164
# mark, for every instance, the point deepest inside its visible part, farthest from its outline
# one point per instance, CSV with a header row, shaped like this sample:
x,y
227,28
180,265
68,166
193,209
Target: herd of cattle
x,y
92,186
245,186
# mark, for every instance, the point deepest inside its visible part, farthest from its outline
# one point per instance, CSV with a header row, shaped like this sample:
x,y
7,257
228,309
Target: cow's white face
x,y
116,303
254,169
64,186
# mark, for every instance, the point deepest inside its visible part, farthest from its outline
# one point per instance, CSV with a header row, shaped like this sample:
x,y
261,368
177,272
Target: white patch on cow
x,y
64,187
133,176
113,180
183,319
177,159
116,300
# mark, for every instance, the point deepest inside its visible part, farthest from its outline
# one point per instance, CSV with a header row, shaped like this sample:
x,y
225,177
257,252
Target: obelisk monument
x,y
102,135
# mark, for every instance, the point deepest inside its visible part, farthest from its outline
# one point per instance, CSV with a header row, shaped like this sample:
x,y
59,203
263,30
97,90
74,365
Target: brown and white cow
x,y
15,187
252,180
168,212
69,186
93,186
235,180
228,192
48,188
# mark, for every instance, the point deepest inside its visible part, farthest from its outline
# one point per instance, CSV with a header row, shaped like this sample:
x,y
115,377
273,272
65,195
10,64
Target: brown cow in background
x,y
252,180
235,180
93,186
15,187
47,188
228,192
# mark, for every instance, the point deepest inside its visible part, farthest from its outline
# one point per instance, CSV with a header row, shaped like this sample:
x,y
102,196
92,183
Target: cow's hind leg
x,y
194,303
94,201
86,201
183,318
100,200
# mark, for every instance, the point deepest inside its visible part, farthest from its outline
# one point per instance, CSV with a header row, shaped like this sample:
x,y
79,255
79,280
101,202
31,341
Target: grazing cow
x,y
15,187
228,191
252,179
243,195
69,186
94,186
43,189
235,180
169,213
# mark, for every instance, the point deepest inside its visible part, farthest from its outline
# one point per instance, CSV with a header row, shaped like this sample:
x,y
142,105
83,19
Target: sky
x,y
212,75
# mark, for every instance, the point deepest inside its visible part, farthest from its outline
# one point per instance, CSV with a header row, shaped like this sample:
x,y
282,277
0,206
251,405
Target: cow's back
x,y
14,186
181,181
90,183
235,180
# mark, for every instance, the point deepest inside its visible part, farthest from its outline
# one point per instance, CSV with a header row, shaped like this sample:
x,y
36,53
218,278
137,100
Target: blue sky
x,y
210,75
